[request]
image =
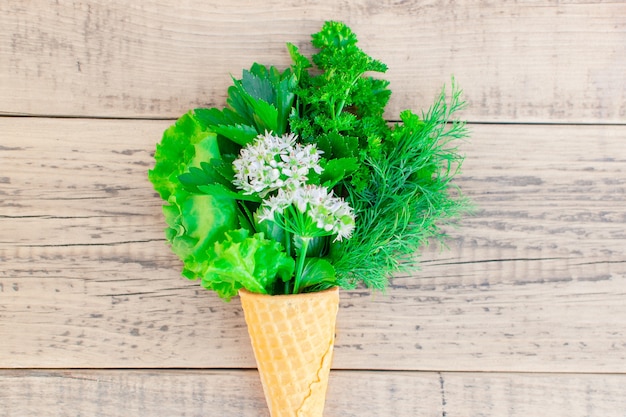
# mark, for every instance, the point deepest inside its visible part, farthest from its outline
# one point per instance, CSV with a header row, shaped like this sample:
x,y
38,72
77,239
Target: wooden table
x,y
523,315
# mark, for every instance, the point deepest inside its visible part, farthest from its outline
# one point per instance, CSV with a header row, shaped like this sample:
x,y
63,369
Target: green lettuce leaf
x,y
184,144
244,261
195,220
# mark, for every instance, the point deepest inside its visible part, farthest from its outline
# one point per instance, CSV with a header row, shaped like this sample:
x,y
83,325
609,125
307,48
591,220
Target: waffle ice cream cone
x,y
293,337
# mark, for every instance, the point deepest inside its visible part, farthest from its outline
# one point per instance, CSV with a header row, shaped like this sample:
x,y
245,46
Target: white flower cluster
x,y
318,213
278,163
274,162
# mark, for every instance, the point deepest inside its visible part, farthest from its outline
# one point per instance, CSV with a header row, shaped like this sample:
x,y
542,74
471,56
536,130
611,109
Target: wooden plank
x,y
544,61
533,282
363,393
106,309
195,393
520,395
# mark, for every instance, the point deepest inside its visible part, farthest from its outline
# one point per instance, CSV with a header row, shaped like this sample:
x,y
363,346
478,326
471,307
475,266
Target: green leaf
x,y
243,261
264,98
194,177
317,272
258,82
370,97
337,145
285,97
263,114
238,103
216,171
216,117
241,134
338,48
334,35
300,62
336,170
183,145
195,222
219,190
221,168
272,231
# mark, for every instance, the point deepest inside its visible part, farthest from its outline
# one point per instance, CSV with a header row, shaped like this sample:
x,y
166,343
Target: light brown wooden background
x,y
523,315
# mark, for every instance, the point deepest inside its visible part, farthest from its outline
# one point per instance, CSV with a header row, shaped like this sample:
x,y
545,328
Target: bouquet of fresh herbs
x,y
300,184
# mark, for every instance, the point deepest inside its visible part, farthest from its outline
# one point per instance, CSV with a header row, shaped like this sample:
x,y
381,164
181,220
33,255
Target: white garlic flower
x,y
309,211
274,162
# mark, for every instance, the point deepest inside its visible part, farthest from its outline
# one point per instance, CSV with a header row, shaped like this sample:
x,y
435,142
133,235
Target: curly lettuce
x,y
243,261
195,221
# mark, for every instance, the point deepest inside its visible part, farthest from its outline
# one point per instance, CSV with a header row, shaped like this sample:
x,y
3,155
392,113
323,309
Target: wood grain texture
x,y
45,393
533,282
545,61
523,395
523,314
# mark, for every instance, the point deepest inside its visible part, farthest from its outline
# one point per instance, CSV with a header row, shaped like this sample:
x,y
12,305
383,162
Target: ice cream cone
x,y
293,337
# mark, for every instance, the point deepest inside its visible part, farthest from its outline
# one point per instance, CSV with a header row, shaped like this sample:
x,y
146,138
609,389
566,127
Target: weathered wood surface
x,y
536,274
544,61
200,393
523,315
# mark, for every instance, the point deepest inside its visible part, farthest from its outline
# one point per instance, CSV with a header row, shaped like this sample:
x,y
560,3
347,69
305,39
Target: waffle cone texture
x,y
293,337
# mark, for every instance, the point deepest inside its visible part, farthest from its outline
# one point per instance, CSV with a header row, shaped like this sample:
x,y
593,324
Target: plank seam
x,y
173,119
356,370
482,261
66,245
443,395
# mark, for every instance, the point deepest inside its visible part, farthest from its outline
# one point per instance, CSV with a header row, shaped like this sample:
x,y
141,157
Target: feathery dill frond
x,y
408,198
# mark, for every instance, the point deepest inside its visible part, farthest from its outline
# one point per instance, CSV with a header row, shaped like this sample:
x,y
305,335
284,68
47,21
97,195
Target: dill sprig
x,y
408,196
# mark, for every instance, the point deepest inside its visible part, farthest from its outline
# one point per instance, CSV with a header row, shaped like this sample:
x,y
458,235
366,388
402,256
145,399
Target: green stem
x,y
337,111
300,267
287,250
245,215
